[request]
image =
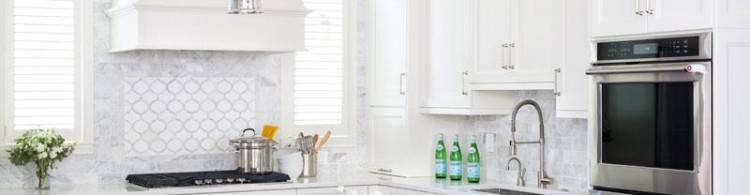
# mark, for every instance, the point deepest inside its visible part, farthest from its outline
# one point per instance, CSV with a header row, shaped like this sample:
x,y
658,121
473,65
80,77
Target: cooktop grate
x,y
155,180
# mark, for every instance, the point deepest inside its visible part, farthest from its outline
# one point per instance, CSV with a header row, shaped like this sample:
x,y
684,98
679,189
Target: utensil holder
x,y
310,165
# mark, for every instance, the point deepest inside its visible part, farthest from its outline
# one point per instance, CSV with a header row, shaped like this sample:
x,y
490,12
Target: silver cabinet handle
x,y
463,83
649,10
557,90
503,57
510,56
385,170
401,78
638,10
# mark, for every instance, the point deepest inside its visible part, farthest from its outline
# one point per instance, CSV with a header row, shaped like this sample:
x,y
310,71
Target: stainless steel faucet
x,y
542,178
520,179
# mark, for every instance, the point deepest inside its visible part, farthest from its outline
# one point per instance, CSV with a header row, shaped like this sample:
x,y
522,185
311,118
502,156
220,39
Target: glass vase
x,y
42,182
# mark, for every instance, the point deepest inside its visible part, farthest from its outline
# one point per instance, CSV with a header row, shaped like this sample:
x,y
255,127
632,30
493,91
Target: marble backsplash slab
x,y
565,149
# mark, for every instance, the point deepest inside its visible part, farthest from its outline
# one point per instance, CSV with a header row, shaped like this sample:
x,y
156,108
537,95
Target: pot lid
x,y
252,139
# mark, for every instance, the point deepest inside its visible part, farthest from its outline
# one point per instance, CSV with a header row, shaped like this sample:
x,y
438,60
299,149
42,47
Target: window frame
x,y
84,77
341,135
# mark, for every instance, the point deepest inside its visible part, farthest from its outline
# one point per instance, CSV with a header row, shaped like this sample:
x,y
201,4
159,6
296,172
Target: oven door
x,y
652,129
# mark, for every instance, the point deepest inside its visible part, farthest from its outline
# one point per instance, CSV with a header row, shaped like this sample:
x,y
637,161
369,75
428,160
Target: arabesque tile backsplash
x,y
185,115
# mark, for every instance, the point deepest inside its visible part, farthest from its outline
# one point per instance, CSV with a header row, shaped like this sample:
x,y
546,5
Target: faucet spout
x,y
540,117
520,179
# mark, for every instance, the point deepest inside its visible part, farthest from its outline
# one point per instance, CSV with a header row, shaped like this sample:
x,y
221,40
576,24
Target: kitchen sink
x,y
504,191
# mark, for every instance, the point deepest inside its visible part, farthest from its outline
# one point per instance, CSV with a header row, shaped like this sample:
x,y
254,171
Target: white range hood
x,y
205,25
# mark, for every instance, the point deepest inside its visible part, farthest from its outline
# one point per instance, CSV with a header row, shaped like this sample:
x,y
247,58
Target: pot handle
x,y
248,129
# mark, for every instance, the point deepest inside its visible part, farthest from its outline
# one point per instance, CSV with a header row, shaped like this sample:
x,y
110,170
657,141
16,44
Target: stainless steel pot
x,y
253,154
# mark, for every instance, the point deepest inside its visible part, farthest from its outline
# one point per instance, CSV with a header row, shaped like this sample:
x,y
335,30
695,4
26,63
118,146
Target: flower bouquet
x,y
42,147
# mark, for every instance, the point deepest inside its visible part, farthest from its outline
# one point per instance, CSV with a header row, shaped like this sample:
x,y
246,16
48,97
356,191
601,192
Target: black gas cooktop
x,y
156,180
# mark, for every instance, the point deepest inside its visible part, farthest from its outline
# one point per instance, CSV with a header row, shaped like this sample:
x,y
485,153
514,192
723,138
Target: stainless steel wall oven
x,y
651,133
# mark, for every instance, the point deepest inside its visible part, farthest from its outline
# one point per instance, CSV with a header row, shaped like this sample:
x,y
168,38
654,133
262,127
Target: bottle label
x,y
472,170
472,150
454,149
439,148
440,166
456,168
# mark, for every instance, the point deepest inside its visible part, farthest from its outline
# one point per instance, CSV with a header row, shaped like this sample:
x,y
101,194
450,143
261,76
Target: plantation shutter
x,y
318,76
43,64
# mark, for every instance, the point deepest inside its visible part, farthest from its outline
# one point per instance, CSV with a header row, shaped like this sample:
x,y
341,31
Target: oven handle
x,y
696,68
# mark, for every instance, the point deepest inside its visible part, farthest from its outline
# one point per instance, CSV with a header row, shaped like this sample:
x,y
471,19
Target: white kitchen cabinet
x,y
674,15
263,192
731,110
517,48
389,48
571,82
733,14
449,66
537,42
347,190
384,190
492,18
402,138
625,17
390,127
615,17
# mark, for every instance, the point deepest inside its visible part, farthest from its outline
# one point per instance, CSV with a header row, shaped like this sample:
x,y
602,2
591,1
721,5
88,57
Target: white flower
x,y
39,148
53,155
56,150
43,155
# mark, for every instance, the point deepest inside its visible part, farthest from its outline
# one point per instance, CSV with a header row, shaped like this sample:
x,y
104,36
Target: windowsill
x,y
81,148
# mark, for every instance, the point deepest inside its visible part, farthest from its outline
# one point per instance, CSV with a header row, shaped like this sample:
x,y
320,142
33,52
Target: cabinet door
x,y
733,14
389,135
358,190
617,17
492,36
388,69
449,43
538,44
673,15
731,112
572,82
269,192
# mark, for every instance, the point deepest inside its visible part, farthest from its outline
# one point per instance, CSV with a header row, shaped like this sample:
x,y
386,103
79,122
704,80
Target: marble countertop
x,y
424,184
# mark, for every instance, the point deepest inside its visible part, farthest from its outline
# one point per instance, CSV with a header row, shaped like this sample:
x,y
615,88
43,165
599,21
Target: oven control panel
x,y
649,48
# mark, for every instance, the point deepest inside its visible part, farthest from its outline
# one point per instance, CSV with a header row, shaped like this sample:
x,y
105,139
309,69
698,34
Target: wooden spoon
x,y
323,141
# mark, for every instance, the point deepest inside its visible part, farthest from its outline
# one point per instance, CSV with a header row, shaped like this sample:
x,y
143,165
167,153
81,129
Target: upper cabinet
x,y
671,15
205,25
481,50
517,43
571,84
389,45
613,17
624,17
450,63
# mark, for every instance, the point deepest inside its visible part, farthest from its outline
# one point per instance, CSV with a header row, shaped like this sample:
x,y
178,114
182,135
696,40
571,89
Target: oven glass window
x,y
648,124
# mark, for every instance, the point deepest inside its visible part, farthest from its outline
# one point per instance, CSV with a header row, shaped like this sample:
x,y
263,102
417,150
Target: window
x,y
46,68
318,88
